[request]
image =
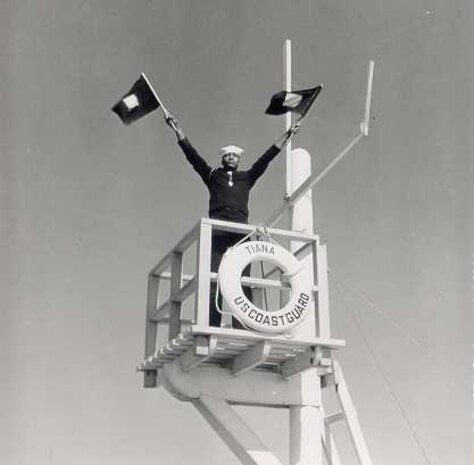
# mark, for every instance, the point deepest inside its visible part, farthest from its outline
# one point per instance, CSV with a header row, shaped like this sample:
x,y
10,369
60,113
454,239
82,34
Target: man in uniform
x,y
229,191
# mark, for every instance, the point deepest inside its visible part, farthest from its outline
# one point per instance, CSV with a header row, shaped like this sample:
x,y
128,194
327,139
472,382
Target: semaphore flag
x,y
137,102
297,101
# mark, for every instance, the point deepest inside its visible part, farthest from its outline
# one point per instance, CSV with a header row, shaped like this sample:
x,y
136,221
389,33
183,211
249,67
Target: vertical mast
x,y
287,84
306,421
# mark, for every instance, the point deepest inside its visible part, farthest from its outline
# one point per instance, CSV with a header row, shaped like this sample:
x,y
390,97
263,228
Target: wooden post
x,y
203,272
150,376
245,444
287,74
175,303
306,421
322,302
352,419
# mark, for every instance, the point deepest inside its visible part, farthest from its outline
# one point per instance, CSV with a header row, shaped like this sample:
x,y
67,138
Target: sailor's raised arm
x,y
259,167
172,122
287,135
198,163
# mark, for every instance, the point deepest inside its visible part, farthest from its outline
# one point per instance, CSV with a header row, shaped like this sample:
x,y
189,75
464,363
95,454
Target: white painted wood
x,y
368,101
302,221
203,267
150,377
329,445
151,327
287,84
247,228
246,280
309,183
249,336
162,265
334,418
307,422
185,291
252,388
253,356
153,91
162,310
351,417
323,318
175,287
305,448
245,444
203,349
300,363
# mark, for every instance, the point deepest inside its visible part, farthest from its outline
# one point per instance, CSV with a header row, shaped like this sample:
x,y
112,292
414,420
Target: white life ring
x,y
230,271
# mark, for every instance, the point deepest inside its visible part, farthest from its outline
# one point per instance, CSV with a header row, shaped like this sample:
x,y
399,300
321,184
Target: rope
x,y
388,383
464,387
373,307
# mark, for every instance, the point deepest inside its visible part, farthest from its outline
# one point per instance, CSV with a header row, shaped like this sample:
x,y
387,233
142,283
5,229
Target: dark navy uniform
x,y
228,200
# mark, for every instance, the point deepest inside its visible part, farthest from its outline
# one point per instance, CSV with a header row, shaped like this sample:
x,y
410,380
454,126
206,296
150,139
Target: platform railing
x,y
183,286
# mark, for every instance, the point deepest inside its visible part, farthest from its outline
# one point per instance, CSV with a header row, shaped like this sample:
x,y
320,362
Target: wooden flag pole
x,y
368,101
165,111
287,70
315,178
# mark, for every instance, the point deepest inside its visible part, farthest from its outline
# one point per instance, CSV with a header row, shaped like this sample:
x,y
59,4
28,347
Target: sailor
x,y
229,190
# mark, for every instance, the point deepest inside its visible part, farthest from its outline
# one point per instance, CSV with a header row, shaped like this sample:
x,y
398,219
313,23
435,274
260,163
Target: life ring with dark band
x,y
278,321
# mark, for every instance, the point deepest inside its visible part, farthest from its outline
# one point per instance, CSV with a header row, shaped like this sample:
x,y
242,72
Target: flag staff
x,y
287,87
368,101
165,111
317,177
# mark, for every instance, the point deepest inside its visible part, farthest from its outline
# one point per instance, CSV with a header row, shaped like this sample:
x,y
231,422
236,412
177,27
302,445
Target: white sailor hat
x,y
231,149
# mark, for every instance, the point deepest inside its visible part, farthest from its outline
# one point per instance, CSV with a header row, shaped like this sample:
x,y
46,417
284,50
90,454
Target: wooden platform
x,y
240,350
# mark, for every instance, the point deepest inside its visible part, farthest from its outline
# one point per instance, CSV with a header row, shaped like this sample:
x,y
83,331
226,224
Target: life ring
x,y
230,271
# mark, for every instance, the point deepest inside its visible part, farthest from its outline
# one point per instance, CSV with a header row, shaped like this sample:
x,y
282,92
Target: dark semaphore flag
x,y
137,102
297,101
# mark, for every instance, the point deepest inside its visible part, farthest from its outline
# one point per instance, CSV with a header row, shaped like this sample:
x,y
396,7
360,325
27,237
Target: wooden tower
x,y
217,368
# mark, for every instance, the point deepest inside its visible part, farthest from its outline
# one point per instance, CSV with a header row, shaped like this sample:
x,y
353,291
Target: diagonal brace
x,y
243,442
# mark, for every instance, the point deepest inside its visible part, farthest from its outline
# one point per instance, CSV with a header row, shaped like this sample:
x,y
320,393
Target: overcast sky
x,y
88,206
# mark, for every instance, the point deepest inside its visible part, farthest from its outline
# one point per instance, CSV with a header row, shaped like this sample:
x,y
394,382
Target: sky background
x,y
88,206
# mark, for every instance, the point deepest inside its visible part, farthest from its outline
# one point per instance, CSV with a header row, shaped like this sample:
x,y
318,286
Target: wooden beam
x,y
351,416
280,338
204,348
368,101
334,417
241,440
163,264
253,356
162,310
175,305
246,280
322,301
310,358
299,363
203,267
247,228
186,290
166,320
188,239
309,183
151,328
287,70
329,444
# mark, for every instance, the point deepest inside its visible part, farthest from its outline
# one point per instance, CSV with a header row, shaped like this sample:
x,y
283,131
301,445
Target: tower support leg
x,y
351,417
307,423
329,446
305,434
245,444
